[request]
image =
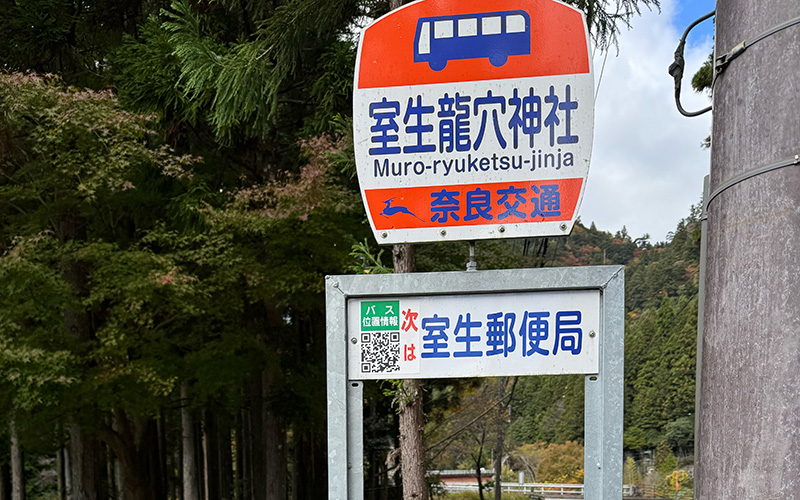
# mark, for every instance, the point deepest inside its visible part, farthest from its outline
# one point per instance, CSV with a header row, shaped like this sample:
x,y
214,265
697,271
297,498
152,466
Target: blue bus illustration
x,y
495,35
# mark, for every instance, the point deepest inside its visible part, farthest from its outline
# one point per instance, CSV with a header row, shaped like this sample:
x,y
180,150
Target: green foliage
x,y
227,79
549,463
244,83
72,178
333,89
665,459
145,72
704,77
634,438
37,364
680,434
69,38
368,261
123,273
630,472
668,269
128,267
661,377
527,457
561,463
703,80
590,246
604,24
548,409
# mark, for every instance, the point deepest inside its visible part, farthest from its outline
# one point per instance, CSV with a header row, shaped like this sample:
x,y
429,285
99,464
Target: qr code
x,y
380,352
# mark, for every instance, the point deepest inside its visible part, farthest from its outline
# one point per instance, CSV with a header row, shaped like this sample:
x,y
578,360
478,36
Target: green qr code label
x,y
380,315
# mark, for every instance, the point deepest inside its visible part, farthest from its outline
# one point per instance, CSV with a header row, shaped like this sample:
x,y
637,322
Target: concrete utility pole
x,y
749,428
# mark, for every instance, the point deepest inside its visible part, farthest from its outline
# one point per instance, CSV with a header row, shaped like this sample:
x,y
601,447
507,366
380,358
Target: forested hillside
x,y
163,322
176,179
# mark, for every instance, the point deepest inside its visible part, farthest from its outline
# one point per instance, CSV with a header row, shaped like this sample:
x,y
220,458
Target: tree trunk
x,y
163,454
412,448
118,480
60,472
500,423
274,434
17,464
5,482
150,451
478,474
191,490
248,450
749,405
226,480
83,450
134,442
505,391
175,464
113,483
211,455
257,470
238,457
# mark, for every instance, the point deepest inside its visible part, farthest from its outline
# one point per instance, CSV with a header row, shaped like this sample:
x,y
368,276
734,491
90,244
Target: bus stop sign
x,y
473,120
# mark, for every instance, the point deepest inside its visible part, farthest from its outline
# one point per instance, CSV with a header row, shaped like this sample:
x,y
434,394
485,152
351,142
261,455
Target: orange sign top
x,y
558,44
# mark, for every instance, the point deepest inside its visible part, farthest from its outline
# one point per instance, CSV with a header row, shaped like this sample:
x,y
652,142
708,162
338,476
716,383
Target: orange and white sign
x,y
473,121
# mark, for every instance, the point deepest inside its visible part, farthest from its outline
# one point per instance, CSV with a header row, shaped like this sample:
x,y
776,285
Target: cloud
x,y
647,164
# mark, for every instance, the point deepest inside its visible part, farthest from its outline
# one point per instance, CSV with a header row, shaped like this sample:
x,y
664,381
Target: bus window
x,y
443,29
491,25
424,46
515,23
468,27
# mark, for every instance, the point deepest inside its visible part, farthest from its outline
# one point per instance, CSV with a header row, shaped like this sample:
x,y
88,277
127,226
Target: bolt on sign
x,y
533,333
473,120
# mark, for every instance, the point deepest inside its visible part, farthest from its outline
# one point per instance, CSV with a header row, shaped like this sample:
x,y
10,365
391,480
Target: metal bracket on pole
x,y
786,162
472,265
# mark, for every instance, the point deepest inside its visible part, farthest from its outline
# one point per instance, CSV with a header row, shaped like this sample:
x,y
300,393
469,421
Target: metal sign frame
x,y
604,391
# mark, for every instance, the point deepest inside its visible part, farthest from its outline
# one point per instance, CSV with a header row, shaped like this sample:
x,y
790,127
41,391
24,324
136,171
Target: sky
x,y
647,164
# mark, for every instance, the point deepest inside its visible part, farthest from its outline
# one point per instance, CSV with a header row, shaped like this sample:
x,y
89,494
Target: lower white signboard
x,y
475,335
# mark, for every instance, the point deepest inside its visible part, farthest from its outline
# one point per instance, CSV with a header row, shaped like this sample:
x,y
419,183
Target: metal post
x,y
355,441
604,401
336,367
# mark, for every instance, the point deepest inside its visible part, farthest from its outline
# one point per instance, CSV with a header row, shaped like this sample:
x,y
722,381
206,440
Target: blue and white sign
x,y
532,333
474,324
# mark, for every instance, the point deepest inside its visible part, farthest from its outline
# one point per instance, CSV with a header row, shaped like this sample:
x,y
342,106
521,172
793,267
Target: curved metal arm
x,y
676,68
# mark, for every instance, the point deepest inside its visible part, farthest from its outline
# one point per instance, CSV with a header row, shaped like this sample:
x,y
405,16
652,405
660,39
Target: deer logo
x,y
389,210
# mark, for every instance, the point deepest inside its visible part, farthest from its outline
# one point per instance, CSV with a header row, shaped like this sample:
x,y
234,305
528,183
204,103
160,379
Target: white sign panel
x,y
473,120
478,335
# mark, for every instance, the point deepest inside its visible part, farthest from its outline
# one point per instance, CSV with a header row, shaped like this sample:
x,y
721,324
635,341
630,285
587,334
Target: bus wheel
x,y
437,65
498,61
